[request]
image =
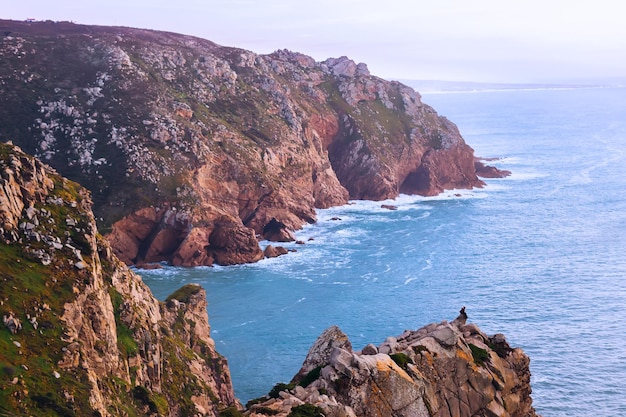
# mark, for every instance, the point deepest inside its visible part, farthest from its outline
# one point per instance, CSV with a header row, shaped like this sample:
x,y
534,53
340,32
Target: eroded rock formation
x,y
82,334
174,134
443,369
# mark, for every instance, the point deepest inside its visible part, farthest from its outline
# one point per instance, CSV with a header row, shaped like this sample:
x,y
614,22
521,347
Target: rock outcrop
x,y
82,335
173,134
488,171
443,369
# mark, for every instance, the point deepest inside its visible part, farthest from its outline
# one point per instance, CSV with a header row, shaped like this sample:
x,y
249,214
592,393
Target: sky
x,y
521,41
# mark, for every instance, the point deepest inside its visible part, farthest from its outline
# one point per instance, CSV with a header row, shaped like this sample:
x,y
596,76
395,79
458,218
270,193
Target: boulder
x,y
370,349
128,234
321,351
277,231
488,171
232,243
274,252
194,250
12,323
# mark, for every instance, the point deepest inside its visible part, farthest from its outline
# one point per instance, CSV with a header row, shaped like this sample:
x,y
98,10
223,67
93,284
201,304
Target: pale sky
x,y
457,40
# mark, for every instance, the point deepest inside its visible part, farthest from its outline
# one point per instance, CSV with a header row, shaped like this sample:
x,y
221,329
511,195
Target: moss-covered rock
x,y
81,334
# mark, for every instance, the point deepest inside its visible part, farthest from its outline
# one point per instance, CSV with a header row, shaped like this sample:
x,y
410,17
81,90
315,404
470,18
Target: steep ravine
x,y
191,149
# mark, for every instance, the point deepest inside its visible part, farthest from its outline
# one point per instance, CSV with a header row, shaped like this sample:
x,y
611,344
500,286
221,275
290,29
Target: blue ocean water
x,y
539,256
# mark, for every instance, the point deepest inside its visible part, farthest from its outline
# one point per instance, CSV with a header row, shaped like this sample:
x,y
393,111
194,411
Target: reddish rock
x,y
442,169
276,231
276,137
488,171
232,243
273,252
194,250
148,266
128,234
389,207
149,235
164,244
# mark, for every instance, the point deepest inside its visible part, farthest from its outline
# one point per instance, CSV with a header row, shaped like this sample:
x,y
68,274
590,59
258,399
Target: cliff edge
x,y
82,335
191,149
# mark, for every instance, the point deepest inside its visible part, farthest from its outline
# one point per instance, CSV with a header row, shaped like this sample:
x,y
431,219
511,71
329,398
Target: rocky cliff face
x,y
443,369
191,149
82,335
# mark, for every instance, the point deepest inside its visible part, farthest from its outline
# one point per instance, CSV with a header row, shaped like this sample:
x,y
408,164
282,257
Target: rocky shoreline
x,y
83,335
191,150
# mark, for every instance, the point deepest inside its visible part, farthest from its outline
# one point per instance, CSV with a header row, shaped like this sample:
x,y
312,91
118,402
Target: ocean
x,y
539,256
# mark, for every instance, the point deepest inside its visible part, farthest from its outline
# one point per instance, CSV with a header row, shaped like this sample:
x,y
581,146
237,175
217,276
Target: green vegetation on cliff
x,y
81,335
34,294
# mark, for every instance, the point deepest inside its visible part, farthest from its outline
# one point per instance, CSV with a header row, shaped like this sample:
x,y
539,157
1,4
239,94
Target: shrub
x,y
141,394
480,355
231,411
306,410
52,403
280,387
8,370
266,411
310,377
255,401
420,348
125,340
184,293
401,359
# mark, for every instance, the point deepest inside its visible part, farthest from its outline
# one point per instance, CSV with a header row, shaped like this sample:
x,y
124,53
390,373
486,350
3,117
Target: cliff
x,y
443,369
82,335
191,149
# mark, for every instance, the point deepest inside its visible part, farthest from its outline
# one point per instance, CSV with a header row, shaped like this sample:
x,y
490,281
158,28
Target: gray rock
x,y
370,349
341,360
342,66
30,212
445,336
28,226
385,349
12,323
361,69
321,351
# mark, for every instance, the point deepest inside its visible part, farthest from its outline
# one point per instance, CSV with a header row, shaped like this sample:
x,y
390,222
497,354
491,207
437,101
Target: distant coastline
x,y
439,86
